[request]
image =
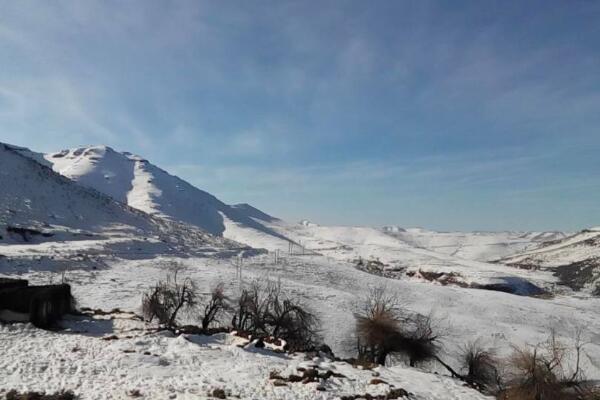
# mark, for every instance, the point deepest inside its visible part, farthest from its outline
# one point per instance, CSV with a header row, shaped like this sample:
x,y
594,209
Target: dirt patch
x,y
392,394
579,274
14,395
444,278
308,376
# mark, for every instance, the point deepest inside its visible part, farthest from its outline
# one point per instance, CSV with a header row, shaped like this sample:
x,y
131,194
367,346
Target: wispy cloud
x,y
398,100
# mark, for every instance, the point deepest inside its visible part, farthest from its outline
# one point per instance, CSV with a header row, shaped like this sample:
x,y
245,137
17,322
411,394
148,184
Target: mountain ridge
x,y
135,181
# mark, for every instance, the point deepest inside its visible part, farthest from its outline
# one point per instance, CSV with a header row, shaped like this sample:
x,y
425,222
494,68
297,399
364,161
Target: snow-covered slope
x,y
481,246
193,367
574,259
378,251
135,181
38,205
163,366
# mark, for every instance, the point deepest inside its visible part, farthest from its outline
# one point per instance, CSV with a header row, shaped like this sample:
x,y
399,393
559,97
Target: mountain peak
x,y
132,180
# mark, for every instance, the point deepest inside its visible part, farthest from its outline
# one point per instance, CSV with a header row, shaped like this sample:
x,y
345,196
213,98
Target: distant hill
x,y
575,259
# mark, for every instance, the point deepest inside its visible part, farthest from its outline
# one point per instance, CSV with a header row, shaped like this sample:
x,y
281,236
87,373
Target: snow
x,y
333,289
349,244
111,253
74,217
161,366
481,246
135,181
580,246
576,258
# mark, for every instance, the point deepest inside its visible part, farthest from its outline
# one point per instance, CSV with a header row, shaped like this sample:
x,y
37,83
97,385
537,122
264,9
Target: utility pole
x,y
238,269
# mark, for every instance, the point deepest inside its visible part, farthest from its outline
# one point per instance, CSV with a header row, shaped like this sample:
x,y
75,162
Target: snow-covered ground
x,y
574,259
401,258
333,289
481,246
162,366
580,246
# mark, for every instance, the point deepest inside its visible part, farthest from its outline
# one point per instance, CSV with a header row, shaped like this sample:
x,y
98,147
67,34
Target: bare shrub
x,y
480,367
215,307
384,328
549,370
252,307
378,326
420,340
290,319
167,298
264,310
64,395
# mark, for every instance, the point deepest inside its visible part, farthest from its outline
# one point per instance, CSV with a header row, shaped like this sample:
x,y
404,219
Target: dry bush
x,y
64,395
549,371
384,329
216,306
264,310
290,319
252,306
167,298
480,367
420,339
378,326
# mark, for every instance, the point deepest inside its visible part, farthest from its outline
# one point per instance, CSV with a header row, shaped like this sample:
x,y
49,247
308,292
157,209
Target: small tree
x,y
167,298
216,306
263,310
291,320
252,308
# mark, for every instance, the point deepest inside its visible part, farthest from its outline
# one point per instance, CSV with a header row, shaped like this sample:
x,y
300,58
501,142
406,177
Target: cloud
x,y
408,100
34,108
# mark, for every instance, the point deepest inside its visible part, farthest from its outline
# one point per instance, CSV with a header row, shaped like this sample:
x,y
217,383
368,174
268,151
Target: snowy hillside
x,y
575,260
481,246
133,180
383,252
399,253
40,206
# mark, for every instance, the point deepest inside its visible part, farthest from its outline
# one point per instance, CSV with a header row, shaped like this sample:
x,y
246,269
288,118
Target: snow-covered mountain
x,y
135,181
575,259
39,205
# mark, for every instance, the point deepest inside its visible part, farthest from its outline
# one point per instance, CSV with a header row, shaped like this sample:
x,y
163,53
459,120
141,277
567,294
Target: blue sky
x,y
475,115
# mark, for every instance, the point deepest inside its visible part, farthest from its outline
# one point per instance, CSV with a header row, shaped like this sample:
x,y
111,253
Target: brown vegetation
x,y
384,329
167,298
263,310
215,307
64,395
548,371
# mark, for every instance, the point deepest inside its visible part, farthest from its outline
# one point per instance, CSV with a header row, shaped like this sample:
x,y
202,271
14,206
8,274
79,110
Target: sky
x,y
450,115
